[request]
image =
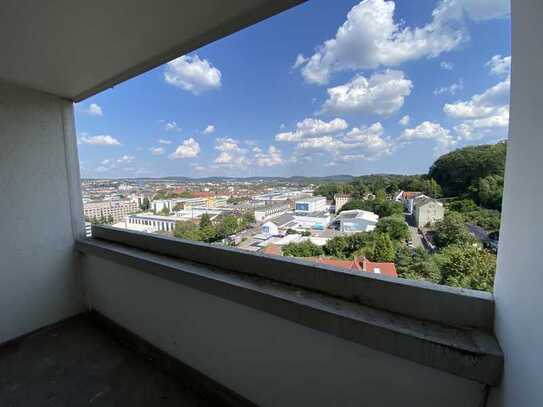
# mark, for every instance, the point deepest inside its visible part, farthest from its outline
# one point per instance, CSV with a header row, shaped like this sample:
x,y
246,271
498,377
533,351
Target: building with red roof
x,y
360,264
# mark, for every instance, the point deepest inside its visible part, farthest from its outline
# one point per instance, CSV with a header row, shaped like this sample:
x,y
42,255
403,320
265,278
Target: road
x,y
415,237
478,231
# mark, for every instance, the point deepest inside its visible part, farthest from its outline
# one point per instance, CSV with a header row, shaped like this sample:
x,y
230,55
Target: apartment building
x,y
118,210
340,200
427,211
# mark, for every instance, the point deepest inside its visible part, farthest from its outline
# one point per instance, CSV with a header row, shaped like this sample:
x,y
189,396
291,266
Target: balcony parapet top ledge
x,y
471,353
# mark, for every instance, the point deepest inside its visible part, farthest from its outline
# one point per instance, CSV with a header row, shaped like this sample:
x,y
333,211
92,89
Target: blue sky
x,y
342,87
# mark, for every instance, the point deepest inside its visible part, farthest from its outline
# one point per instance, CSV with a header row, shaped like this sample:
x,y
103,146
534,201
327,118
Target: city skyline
x,y
314,91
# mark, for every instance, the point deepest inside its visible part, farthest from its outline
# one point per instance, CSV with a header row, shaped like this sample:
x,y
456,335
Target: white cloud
x,y
481,105
101,140
94,110
172,126
383,94
125,159
430,131
210,129
452,89
447,66
268,158
321,143
300,60
231,154
485,114
404,121
164,141
365,143
312,127
157,150
188,149
493,126
499,65
370,38
369,141
192,74
105,162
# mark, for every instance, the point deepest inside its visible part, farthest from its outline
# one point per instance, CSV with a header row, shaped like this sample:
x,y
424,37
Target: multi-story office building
x,y
118,210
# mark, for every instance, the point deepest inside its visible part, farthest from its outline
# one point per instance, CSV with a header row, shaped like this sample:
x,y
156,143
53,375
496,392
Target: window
x,y
323,133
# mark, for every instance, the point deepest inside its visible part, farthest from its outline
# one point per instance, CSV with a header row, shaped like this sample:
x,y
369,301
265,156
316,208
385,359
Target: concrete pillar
x,y
519,278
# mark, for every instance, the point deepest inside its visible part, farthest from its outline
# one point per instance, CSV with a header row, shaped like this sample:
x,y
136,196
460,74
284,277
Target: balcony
x,y
129,319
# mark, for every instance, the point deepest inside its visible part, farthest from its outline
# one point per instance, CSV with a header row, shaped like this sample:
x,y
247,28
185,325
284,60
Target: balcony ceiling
x,y
75,49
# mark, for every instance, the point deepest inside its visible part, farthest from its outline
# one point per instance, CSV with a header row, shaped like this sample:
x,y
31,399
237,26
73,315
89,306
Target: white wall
x,y
519,278
269,360
38,281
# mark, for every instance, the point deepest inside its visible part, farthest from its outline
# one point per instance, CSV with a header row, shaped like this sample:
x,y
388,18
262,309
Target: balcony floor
x,y
76,363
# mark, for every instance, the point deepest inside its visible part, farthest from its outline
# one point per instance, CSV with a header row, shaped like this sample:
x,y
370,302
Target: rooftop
x,y
357,214
312,199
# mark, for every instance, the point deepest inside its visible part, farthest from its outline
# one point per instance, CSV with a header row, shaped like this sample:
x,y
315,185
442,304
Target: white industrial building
x,y
269,229
152,223
309,205
313,220
356,220
267,212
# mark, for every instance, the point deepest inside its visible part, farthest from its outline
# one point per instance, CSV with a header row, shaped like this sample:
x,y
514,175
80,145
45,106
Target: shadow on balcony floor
x,y
76,363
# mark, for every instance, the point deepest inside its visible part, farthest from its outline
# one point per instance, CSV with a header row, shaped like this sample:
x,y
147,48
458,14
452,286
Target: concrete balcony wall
x,y
519,276
267,359
38,275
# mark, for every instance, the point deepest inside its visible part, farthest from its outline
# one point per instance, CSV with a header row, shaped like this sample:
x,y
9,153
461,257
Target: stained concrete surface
x,y
76,363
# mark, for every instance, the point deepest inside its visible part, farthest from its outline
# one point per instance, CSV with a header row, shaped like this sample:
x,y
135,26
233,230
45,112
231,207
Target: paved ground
x,y
77,364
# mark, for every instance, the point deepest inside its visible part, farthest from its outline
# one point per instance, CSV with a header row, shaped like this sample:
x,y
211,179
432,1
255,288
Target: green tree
x,y
345,247
468,267
145,204
462,205
205,221
187,230
228,226
208,232
248,218
165,211
302,249
451,230
490,191
354,204
458,170
384,249
431,188
394,226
